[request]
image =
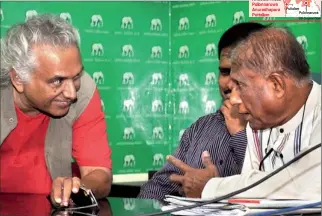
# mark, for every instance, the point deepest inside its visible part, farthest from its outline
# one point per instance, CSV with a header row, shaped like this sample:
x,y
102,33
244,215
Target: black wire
x,y
240,190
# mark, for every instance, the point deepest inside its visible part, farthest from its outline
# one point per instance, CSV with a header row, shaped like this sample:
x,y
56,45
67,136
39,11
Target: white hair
x,y
16,52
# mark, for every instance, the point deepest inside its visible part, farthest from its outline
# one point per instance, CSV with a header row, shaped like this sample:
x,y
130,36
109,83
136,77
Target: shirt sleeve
x,y
160,185
238,143
290,183
90,143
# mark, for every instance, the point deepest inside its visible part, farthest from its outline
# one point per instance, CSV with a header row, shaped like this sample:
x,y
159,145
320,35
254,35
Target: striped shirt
x,y
277,146
208,133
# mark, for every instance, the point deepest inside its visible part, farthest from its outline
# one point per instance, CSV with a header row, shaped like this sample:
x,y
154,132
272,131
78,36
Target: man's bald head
x,y
272,50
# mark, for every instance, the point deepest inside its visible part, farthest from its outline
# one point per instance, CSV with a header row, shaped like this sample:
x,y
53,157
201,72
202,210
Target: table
x,y
38,205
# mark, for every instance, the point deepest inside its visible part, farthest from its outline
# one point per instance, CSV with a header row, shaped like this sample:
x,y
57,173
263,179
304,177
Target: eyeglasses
x,y
84,203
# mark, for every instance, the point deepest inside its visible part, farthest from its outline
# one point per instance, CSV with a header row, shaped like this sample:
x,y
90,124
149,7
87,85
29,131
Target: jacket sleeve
x,y
159,185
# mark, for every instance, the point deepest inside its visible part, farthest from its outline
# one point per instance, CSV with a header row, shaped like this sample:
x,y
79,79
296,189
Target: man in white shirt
x,y
272,85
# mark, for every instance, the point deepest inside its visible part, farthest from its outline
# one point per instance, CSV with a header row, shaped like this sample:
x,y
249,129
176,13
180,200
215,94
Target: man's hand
x,y
194,180
235,121
62,187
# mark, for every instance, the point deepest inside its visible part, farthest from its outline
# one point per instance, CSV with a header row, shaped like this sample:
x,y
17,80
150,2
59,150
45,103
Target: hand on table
x,y
62,188
193,180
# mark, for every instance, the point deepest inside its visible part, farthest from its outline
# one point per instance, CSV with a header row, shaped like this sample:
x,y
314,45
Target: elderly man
x,y
273,88
50,112
218,137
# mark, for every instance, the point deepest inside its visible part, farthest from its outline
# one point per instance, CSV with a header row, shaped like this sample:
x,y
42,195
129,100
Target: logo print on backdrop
x,y
158,159
157,133
210,78
1,14
30,14
183,24
156,52
66,16
128,105
181,134
97,49
184,107
97,21
127,23
268,18
183,52
157,106
98,77
128,78
303,41
210,49
129,203
238,17
156,204
128,134
102,105
156,25
210,21
210,106
156,78
183,80
127,50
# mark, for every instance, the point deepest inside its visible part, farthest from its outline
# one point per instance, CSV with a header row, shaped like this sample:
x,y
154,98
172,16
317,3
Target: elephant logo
x,y
210,78
127,23
156,25
183,52
30,14
239,17
127,50
303,41
210,106
157,106
156,52
128,78
129,203
102,105
128,134
156,78
158,159
1,14
97,49
128,105
183,107
97,21
210,21
183,23
66,16
210,49
181,133
77,35
183,79
98,77
157,133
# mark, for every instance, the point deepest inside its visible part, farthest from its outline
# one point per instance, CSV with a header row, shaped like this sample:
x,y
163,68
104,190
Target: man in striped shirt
x,y
272,86
222,134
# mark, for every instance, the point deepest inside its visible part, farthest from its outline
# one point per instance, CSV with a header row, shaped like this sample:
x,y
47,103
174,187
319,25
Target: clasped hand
x,y
194,180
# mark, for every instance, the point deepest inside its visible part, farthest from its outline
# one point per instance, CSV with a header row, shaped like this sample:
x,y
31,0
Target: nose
x,y
69,90
235,97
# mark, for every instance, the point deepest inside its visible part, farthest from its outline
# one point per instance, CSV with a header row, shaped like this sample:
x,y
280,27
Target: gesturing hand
x,y
61,189
193,180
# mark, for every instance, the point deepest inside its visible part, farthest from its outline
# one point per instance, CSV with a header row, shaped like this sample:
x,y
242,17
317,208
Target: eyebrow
x,y
57,77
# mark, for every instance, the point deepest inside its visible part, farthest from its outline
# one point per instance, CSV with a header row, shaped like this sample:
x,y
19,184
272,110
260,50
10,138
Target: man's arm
x,y
160,185
91,150
238,144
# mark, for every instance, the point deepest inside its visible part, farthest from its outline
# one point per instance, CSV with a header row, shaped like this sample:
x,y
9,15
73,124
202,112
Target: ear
x,y
277,84
16,81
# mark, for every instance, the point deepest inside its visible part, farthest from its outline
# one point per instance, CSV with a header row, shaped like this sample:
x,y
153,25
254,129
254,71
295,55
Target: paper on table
x,y
202,211
189,199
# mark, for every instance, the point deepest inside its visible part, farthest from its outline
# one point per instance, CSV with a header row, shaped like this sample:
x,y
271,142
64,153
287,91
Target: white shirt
x,y
300,180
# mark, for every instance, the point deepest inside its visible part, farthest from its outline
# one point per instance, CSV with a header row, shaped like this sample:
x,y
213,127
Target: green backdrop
x,y
155,65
